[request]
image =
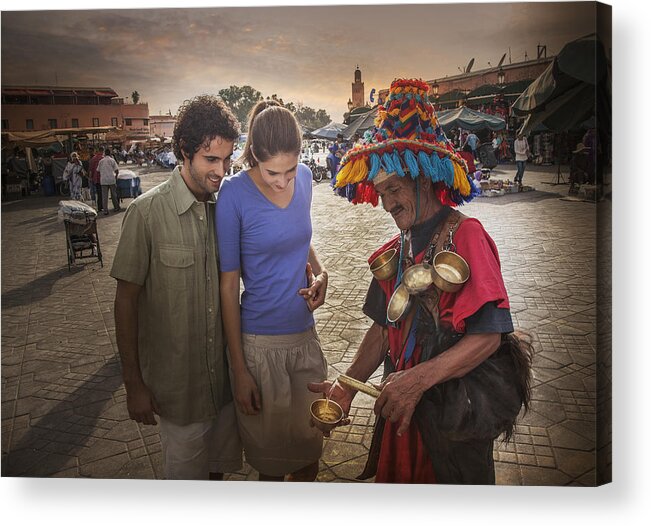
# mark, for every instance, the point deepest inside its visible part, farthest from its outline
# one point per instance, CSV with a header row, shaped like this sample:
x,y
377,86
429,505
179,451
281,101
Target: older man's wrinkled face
x,y
398,196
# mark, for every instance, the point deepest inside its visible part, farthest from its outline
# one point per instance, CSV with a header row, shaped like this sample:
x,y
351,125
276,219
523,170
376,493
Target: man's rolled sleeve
x,y
131,261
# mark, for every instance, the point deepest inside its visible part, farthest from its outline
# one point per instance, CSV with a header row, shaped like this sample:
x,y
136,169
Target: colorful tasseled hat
x,y
407,139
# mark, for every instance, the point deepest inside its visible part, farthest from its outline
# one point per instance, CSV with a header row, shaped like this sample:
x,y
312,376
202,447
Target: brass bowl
x,y
327,412
418,278
399,304
385,265
450,271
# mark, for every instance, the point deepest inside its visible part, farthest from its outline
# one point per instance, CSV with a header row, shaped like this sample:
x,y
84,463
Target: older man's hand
x,y
401,392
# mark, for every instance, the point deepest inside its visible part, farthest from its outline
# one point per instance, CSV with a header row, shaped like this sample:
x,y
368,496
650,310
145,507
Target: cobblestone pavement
x,y
63,402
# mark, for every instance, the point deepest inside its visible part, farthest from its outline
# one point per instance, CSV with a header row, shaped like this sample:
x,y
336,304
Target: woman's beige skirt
x,y
279,439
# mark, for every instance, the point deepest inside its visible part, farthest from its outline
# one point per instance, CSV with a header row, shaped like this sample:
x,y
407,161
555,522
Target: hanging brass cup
x,y
450,271
385,266
418,278
399,304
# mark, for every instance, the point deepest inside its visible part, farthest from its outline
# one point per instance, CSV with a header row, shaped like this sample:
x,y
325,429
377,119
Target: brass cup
x,y
450,271
326,412
399,304
385,265
418,278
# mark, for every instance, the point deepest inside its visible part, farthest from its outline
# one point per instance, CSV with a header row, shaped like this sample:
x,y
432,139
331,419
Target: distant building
x,y
457,90
358,89
162,125
32,108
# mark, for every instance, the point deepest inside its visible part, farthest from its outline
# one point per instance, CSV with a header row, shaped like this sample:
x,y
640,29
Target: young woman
x,y
264,235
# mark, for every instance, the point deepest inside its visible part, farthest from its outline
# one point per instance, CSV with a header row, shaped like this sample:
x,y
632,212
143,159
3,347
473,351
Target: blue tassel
x,y
426,166
410,346
395,157
375,166
448,170
387,163
350,191
474,191
412,163
437,169
456,197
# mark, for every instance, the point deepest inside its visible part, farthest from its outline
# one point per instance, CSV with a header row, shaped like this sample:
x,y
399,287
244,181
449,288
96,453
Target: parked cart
x,y
82,240
128,185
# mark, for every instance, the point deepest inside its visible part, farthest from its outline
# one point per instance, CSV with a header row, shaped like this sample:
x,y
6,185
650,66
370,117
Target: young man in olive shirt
x,y
167,310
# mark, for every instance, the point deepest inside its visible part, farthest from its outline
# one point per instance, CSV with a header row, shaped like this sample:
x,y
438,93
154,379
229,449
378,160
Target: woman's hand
x,y
315,293
246,393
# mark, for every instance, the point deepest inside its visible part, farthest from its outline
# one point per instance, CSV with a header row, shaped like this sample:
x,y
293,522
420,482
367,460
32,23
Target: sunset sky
x,y
302,54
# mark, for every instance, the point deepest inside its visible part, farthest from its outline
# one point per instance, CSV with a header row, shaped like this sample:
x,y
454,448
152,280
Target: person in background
x,y
108,172
336,150
473,141
497,141
264,232
89,175
95,178
73,173
466,155
522,154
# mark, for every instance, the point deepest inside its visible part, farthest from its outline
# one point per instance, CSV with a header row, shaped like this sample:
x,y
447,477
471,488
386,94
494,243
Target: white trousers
x,y
193,451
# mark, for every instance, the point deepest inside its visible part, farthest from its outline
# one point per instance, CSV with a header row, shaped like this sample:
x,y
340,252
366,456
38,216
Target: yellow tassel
x,y
359,171
460,180
353,172
343,174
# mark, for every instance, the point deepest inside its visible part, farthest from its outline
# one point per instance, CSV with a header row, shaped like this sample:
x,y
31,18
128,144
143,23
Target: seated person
x,y
466,155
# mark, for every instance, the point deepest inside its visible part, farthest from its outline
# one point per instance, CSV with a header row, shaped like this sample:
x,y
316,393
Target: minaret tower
x,y
358,89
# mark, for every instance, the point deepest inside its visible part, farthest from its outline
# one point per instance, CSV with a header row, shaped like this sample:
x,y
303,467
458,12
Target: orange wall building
x,y
27,108
162,125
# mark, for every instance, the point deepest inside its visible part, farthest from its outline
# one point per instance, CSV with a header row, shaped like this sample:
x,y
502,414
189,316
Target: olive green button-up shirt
x,y
167,245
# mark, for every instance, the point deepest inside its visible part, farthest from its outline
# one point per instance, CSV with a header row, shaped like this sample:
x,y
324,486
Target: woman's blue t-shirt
x,y
270,246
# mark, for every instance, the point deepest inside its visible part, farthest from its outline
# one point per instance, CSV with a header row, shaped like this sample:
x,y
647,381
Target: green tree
x,y
311,118
240,99
135,97
322,118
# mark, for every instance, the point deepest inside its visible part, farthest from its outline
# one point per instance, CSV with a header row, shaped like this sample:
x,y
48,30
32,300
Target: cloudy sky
x,y
302,54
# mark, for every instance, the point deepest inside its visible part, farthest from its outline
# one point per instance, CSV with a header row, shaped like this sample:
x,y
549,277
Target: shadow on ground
x,y
52,441
36,290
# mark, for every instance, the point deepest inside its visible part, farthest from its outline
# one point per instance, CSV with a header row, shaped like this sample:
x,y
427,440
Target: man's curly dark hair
x,y
199,121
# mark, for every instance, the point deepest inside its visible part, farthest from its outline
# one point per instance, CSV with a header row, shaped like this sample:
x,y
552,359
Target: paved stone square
x,y
63,402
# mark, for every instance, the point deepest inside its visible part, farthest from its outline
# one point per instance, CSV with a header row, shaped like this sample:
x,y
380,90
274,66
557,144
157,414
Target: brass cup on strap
x,y
450,271
399,304
385,266
418,278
